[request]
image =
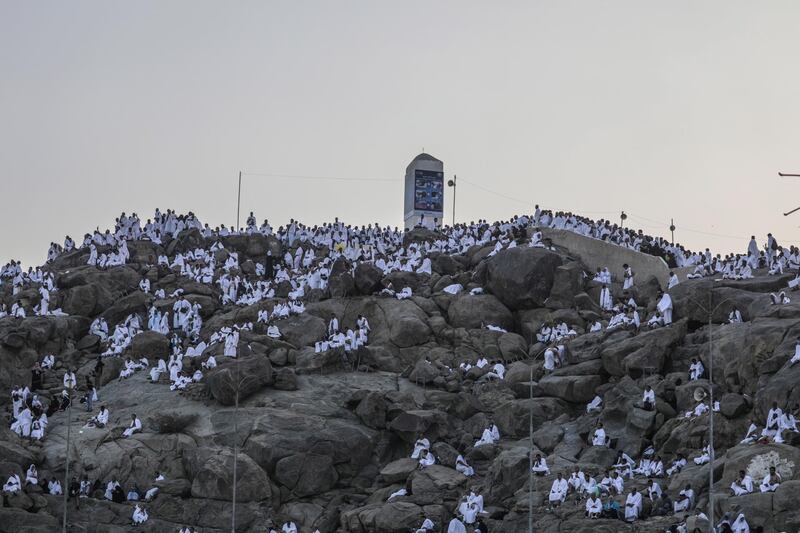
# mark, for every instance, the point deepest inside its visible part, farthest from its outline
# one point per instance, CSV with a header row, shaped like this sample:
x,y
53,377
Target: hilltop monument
x,y
424,192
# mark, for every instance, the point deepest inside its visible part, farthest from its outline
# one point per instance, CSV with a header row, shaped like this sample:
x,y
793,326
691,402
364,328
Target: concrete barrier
x,y
596,254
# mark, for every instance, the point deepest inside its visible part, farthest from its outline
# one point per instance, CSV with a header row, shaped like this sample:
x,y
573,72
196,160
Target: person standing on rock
x,y
628,277
664,307
599,436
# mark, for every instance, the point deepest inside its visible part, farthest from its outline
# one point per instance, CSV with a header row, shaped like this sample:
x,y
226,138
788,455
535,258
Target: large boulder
x,y
367,278
302,330
248,375
522,278
306,474
150,344
214,480
470,311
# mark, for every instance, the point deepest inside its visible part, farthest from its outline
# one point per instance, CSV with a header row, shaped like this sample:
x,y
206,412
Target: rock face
x,y
245,376
522,278
324,439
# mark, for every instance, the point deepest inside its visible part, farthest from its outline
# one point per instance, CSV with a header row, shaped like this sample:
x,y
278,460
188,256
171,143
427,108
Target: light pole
x,y
622,218
530,454
785,175
236,438
672,230
452,183
238,200
65,487
711,398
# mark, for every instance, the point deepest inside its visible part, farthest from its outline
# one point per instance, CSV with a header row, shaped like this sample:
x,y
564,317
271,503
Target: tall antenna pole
x,y
238,200
65,488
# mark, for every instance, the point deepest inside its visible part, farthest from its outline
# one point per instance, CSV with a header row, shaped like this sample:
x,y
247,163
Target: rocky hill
x,y
324,442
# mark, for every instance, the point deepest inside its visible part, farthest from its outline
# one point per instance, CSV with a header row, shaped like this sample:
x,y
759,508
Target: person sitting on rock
x,y
421,445
426,459
456,526
752,434
100,420
624,464
463,467
633,505
599,436
558,491
779,298
540,466
133,494
740,525
696,369
594,507
490,436
13,484
735,316
595,405
289,527
704,457
787,422
653,490
648,398
611,509
139,515
773,421
426,527
135,425
771,481
743,484
685,500
577,480
54,487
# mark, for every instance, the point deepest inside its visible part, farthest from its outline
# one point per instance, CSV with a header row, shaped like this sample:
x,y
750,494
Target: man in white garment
x,y
664,307
139,515
633,505
599,435
558,491
771,481
594,506
540,466
456,526
685,500
135,425
743,484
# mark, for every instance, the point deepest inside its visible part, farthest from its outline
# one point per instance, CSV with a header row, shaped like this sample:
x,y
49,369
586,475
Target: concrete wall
x,y
599,254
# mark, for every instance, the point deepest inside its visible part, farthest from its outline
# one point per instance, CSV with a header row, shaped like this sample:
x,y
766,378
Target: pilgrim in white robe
x,y
633,506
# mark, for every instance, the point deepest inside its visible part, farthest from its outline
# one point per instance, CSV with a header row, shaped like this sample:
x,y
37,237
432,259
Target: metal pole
x,y
235,445
65,488
711,414
238,200
454,199
530,454
672,229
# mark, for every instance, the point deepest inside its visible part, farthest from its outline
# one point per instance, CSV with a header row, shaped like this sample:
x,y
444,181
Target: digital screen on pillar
x,y
428,190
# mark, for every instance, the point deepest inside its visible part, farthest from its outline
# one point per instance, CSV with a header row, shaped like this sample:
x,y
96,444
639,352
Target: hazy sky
x,y
683,109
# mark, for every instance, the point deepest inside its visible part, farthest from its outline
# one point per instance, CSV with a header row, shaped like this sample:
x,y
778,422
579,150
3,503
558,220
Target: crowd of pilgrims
x,y
306,263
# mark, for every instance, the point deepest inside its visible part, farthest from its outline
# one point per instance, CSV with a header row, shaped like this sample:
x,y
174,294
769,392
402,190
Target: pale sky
x,y
683,109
